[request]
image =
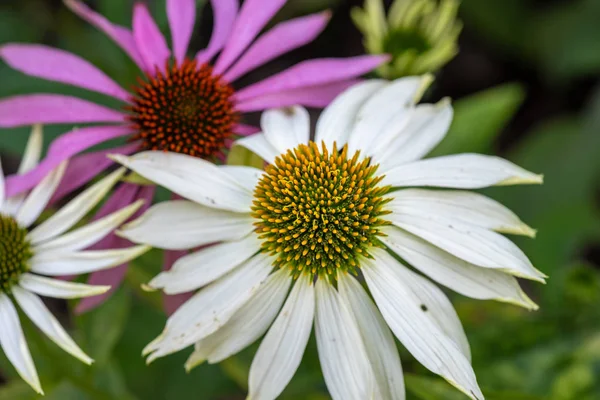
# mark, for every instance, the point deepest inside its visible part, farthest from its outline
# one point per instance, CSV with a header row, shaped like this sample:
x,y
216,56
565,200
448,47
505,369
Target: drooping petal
x,y
149,41
460,276
60,66
470,243
286,128
407,303
2,191
427,126
391,106
377,338
224,15
14,344
211,307
192,178
246,176
182,15
245,130
282,38
68,215
30,109
204,266
337,120
189,225
310,96
64,147
344,361
39,314
280,352
59,288
39,197
172,302
312,73
253,16
460,171
58,263
84,168
466,207
260,145
120,35
91,233
248,324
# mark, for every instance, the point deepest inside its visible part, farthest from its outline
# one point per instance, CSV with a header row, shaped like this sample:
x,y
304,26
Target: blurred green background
x,y
525,86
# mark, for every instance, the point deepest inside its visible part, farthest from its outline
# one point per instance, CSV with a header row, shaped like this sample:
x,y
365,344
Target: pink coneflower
x,y
180,104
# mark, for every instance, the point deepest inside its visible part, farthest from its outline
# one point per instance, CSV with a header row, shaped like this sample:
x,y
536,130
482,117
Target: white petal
x,y
190,177
259,144
337,120
280,352
58,288
466,207
248,324
43,319
14,344
204,266
286,128
390,105
377,338
181,224
245,176
400,296
56,263
210,308
427,126
37,200
460,171
33,149
473,244
344,361
460,276
72,212
91,233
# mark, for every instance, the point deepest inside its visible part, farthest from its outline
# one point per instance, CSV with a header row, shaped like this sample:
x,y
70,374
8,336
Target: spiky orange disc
x,y
186,110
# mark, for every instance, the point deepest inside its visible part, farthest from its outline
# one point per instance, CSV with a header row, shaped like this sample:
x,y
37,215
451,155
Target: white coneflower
x,y
322,217
29,252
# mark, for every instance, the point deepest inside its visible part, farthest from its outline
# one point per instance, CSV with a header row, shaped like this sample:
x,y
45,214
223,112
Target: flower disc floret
x,y
319,211
188,110
15,252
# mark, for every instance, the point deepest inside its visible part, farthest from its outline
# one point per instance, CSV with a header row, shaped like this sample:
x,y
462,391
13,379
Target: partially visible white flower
x,y
290,245
420,35
29,251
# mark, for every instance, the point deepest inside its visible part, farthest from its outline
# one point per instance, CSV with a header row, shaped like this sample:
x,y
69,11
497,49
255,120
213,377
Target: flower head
x,y
188,105
28,251
324,216
420,35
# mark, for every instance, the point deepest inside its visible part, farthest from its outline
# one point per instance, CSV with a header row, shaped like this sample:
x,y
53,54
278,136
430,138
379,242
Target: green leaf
x,y
479,119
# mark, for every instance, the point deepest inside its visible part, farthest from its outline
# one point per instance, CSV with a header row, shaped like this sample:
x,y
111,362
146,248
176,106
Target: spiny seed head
x,y
319,211
15,252
186,110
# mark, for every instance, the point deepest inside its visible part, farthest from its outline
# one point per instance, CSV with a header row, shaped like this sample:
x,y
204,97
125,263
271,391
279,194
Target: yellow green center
x,y
319,211
15,252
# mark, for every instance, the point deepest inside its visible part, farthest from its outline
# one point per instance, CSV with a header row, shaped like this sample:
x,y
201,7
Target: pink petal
x,y
182,15
253,16
149,40
172,302
311,96
245,130
53,109
312,73
60,66
124,195
62,148
224,15
82,169
282,38
120,35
